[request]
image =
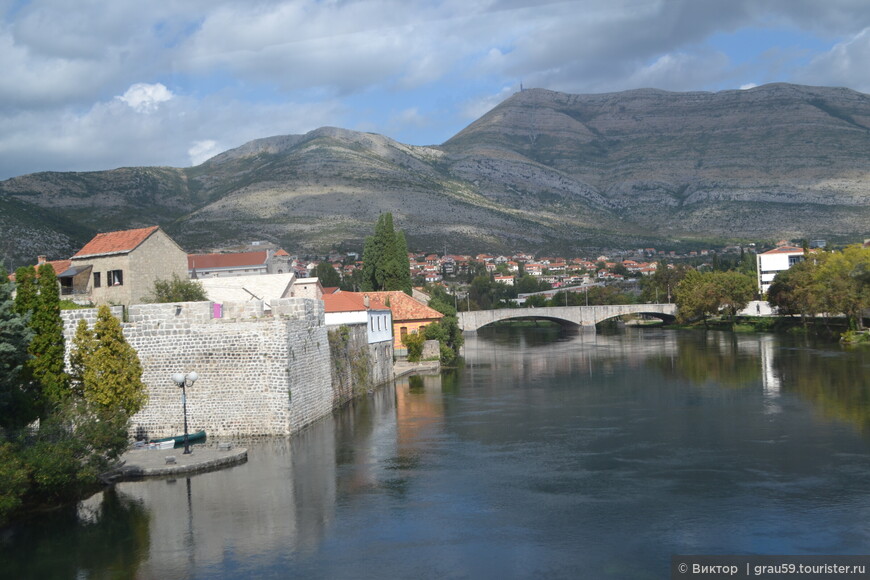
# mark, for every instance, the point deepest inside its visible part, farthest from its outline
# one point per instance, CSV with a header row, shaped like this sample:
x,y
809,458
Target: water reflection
x,y
105,536
545,454
834,379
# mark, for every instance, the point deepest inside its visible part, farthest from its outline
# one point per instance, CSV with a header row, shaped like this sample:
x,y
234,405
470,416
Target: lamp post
x,y
184,381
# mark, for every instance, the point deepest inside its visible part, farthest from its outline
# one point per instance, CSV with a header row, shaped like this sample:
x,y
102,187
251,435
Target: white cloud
x,y
241,71
844,65
145,98
477,107
112,134
202,151
680,71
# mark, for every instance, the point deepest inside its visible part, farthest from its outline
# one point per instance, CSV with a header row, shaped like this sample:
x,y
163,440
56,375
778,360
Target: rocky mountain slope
x,y
541,170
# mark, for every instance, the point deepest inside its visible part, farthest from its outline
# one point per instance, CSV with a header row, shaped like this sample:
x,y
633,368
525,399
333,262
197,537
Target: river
x,y
546,455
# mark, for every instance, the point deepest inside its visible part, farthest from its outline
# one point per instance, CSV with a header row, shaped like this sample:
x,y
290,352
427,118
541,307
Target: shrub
x,y
414,343
13,480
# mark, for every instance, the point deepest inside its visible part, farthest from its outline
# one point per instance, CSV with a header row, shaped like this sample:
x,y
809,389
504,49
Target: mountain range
x,y
543,171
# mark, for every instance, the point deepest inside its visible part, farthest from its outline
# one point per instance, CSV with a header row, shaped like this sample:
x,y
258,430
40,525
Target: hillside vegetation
x,y
542,170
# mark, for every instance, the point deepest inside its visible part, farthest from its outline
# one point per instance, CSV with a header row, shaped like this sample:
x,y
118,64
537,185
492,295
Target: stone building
x,y
121,267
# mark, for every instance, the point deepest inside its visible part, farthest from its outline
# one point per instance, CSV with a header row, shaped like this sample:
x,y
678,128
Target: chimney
x,y
40,260
366,301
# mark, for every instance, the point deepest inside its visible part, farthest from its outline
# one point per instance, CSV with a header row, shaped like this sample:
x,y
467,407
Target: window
x,y
97,280
792,260
403,331
115,278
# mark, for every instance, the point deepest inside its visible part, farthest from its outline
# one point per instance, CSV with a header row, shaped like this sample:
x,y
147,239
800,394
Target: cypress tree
x,y
385,258
47,346
25,289
82,349
112,375
18,402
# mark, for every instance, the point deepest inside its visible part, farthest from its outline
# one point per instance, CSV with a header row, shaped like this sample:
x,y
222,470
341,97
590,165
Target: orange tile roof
x,y
237,260
59,267
350,302
281,252
115,242
404,307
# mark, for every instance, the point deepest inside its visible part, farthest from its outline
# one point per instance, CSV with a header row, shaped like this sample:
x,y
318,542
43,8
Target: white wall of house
x,y
379,323
346,318
772,263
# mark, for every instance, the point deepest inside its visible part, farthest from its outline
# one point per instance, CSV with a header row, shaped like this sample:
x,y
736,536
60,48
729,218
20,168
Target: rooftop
x,y
115,242
236,260
404,307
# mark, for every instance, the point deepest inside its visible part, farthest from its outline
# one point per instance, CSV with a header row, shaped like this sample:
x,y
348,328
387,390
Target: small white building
x,y
352,308
772,262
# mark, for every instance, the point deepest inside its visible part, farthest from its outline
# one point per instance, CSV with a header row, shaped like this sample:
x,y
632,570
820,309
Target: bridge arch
x,y
585,317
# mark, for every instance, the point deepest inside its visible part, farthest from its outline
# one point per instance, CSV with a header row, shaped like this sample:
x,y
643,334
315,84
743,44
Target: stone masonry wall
x,y
258,375
357,366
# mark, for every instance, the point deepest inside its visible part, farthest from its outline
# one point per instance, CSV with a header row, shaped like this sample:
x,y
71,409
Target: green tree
x,y
385,259
177,290
413,341
25,289
734,291
700,295
13,479
111,378
19,400
446,331
696,297
47,346
327,275
841,276
82,350
660,287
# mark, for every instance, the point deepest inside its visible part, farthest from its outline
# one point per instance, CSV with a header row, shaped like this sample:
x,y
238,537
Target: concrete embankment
x,y
140,463
403,368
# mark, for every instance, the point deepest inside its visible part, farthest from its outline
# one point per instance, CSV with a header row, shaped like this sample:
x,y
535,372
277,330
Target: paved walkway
x,y
139,463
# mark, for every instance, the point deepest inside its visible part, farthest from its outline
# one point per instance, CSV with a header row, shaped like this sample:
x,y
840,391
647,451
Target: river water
x,y
546,455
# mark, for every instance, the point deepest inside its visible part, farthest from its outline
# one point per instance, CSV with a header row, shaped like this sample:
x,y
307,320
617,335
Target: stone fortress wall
x,y
259,374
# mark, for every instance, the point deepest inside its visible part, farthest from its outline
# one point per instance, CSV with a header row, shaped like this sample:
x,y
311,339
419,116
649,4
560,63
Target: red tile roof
x,y
404,307
59,267
238,260
115,242
349,302
281,252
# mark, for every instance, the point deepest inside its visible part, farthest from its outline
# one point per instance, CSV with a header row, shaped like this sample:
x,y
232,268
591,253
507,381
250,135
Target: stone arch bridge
x,y
586,317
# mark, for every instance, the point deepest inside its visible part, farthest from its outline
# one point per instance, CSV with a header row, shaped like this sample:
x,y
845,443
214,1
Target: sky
x,y
99,84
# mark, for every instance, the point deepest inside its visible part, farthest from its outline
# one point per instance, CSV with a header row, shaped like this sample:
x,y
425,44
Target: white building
x,y
350,308
772,262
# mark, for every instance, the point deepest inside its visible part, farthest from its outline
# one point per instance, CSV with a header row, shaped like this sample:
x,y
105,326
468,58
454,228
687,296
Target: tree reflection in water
x,y
835,379
105,536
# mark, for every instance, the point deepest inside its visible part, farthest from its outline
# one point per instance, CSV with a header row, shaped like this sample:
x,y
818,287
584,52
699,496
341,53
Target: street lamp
x,y
183,381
